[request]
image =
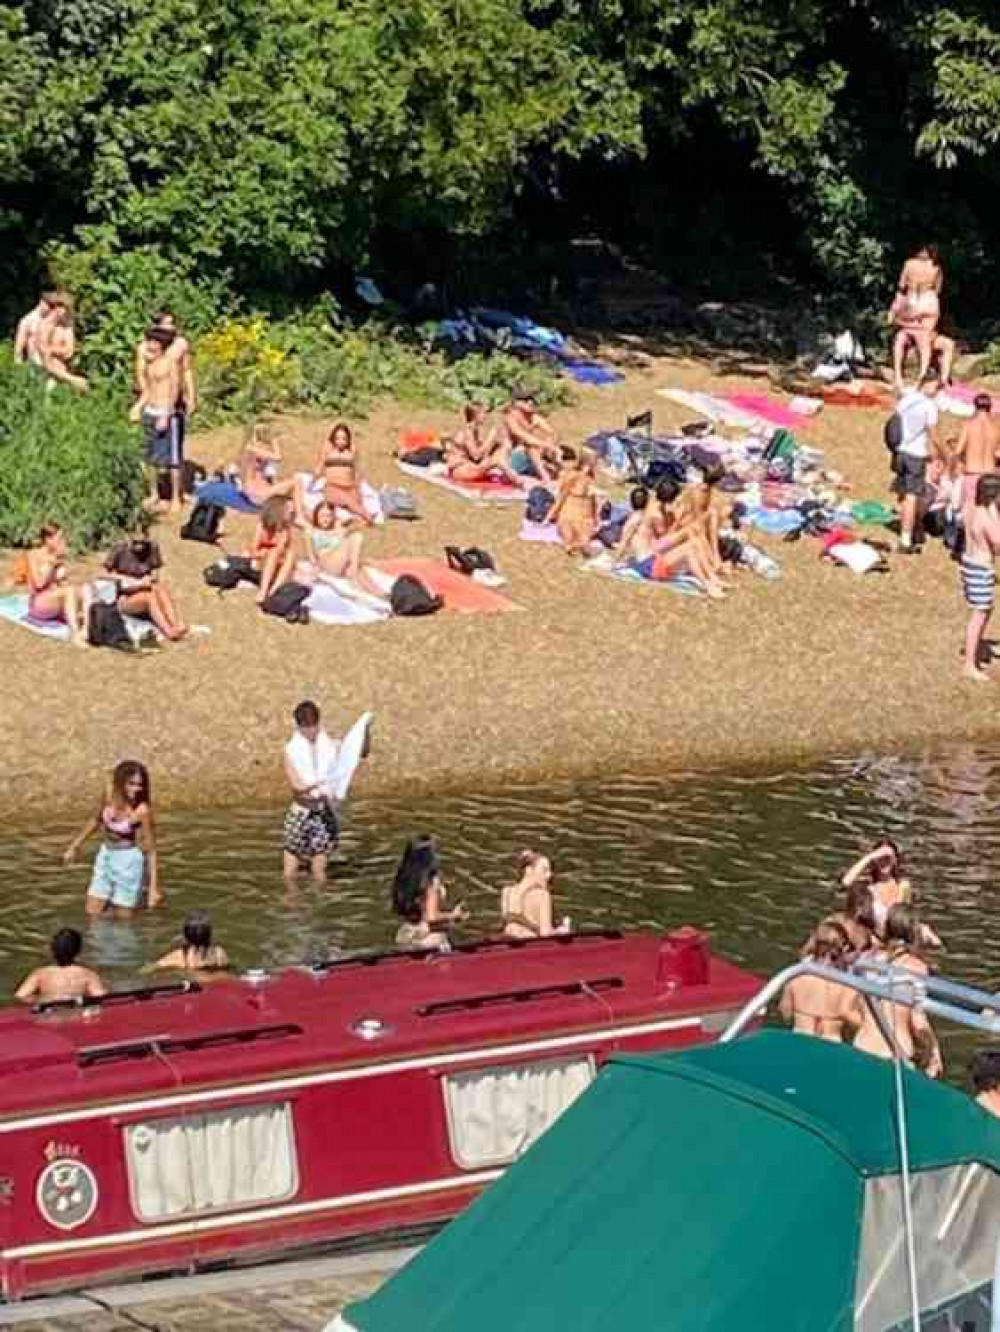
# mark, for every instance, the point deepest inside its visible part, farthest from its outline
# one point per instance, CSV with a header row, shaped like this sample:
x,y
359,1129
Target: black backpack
x,y
204,523
469,560
227,574
106,628
892,433
539,502
410,597
286,602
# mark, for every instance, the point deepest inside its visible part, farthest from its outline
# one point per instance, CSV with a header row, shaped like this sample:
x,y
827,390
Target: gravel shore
x,y
588,676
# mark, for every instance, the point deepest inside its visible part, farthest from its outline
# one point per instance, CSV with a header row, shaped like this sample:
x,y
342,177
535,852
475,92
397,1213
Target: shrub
x,y
75,460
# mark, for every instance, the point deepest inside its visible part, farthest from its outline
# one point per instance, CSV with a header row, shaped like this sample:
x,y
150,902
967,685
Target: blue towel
x,y
590,372
228,495
776,522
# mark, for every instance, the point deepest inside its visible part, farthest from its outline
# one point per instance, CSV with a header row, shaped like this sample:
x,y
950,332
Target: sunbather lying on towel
x,y
481,450
50,595
335,546
575,509
532,440
658,547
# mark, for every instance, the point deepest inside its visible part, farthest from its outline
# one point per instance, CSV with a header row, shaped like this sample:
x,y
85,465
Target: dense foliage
x,y
265,149
65,459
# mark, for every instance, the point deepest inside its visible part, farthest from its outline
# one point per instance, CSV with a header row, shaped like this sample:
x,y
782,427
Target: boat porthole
x,y
67,1194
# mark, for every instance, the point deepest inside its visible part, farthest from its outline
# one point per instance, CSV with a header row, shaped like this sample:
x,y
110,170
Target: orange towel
x,y
459,592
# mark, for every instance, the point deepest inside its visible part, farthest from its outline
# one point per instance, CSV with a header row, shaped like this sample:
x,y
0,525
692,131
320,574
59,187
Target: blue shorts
x,y
164,448
521,463
645,567
118,876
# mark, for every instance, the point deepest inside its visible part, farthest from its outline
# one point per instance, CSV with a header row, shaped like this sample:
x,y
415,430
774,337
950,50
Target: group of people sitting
x,y
419,899
131,580
65,978
877,921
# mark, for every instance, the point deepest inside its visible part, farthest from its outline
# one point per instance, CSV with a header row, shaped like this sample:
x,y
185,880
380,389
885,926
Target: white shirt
x,y
919,415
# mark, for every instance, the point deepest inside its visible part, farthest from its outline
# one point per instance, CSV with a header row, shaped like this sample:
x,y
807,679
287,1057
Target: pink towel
x,y
968,392
767,409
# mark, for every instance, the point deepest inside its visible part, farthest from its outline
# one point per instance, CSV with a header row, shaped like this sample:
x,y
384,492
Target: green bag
x,y
872,513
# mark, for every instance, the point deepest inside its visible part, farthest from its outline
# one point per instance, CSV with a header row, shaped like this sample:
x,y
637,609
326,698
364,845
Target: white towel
x,y
327,763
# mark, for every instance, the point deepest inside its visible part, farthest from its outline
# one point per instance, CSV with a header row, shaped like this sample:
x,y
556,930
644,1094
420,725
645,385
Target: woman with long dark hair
x,y
419,896
127,857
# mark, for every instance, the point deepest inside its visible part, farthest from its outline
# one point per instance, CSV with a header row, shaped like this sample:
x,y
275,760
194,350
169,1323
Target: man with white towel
x,y
319,770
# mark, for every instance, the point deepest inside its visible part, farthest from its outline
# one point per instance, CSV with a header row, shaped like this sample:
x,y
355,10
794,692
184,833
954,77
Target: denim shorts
x,y
118,876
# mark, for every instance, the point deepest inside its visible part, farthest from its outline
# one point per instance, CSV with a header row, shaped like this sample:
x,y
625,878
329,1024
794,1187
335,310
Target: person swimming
x,y
526,906
64,977
419,897
196,952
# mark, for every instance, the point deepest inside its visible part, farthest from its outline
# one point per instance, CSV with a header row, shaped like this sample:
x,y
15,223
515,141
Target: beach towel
x,y
842,396
483,492
957,400
227,495
590,372
312,494
545,534
337,602
715,409
776,522
14,609
762,407
684,584
458,592
328,763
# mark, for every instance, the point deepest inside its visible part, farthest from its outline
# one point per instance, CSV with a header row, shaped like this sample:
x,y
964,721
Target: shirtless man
x,y
57,341
179,351
697,508
657,545
532,435
478,451
982,544
985,1073
156,409
28,338
978,447
64,978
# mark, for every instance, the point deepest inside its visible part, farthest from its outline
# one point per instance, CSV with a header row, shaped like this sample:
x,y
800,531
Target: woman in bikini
x,y
526,906
479,450
856,918
818,1007
50,596
336,468
575,509
128,850
196,951
419,897
913,1034
259,466
657,546
335,544
272,551
889,886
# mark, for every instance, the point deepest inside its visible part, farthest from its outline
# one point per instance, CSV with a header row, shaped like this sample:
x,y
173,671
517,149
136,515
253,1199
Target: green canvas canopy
x,y
751,1186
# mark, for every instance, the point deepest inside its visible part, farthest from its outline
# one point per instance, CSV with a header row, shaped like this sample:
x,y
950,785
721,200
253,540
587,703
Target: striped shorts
x,y
978,584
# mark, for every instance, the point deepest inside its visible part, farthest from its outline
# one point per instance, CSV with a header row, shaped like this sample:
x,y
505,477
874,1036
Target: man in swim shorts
x,y
982,543
156,409
312,829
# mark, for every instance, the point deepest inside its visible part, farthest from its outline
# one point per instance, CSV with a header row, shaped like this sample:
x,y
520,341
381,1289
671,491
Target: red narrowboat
x,y
184,1125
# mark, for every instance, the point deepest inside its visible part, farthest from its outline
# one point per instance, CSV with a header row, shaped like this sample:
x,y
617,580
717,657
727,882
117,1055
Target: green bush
x,y
73,460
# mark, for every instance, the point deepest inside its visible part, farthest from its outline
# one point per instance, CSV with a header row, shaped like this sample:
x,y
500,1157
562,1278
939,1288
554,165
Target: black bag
x,y
286,602
106,628
664,469
410,597
539,502
892,433
204,523
422,457
236,569
469,560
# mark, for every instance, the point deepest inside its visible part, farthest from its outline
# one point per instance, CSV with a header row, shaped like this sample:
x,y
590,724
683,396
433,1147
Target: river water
x,y
753,858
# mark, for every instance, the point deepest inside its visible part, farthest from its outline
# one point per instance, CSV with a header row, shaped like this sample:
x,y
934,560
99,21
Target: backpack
x,y
469,560
397,503
229,573
409,596
539,502
286,602
204,523
106,628
892,433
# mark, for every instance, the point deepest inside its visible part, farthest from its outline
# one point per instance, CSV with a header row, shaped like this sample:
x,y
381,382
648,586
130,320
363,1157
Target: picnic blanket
x,y
685,584
484,492
709,406
957,400
838,395
338,602
459,592
14,609
762,407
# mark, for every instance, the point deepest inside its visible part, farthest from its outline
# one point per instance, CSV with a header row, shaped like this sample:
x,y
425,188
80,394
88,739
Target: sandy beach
x,y
588,675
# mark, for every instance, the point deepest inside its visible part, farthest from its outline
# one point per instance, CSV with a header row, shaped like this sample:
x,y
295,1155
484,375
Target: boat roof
x,y
252,1027
713,1188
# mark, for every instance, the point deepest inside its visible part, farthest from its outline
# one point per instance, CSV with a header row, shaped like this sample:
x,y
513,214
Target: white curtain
x,y
495,1114
201,1163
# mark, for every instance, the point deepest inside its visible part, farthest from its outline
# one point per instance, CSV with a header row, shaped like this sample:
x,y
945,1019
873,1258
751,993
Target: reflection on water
x,y
753,858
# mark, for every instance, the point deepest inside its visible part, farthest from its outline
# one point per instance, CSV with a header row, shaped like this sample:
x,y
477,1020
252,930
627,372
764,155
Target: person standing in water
x,y
128,851
64,977
979,579
526,906
312,828
908,1026
196,951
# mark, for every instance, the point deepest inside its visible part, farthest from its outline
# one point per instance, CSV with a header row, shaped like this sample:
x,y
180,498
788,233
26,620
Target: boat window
x,y
956,1226
495,1114
191,1164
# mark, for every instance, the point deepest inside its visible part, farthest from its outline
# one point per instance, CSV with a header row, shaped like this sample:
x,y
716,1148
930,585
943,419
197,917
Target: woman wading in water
x,y
817,1007
526,906
128,849
419,896
913,1034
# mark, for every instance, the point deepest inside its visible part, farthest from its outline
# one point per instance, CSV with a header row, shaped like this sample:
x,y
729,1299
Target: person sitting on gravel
x,y
532,440
335,544
260,464
479,451
50,596
696,508
64,977
135,567
575,509
656,546
272,551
